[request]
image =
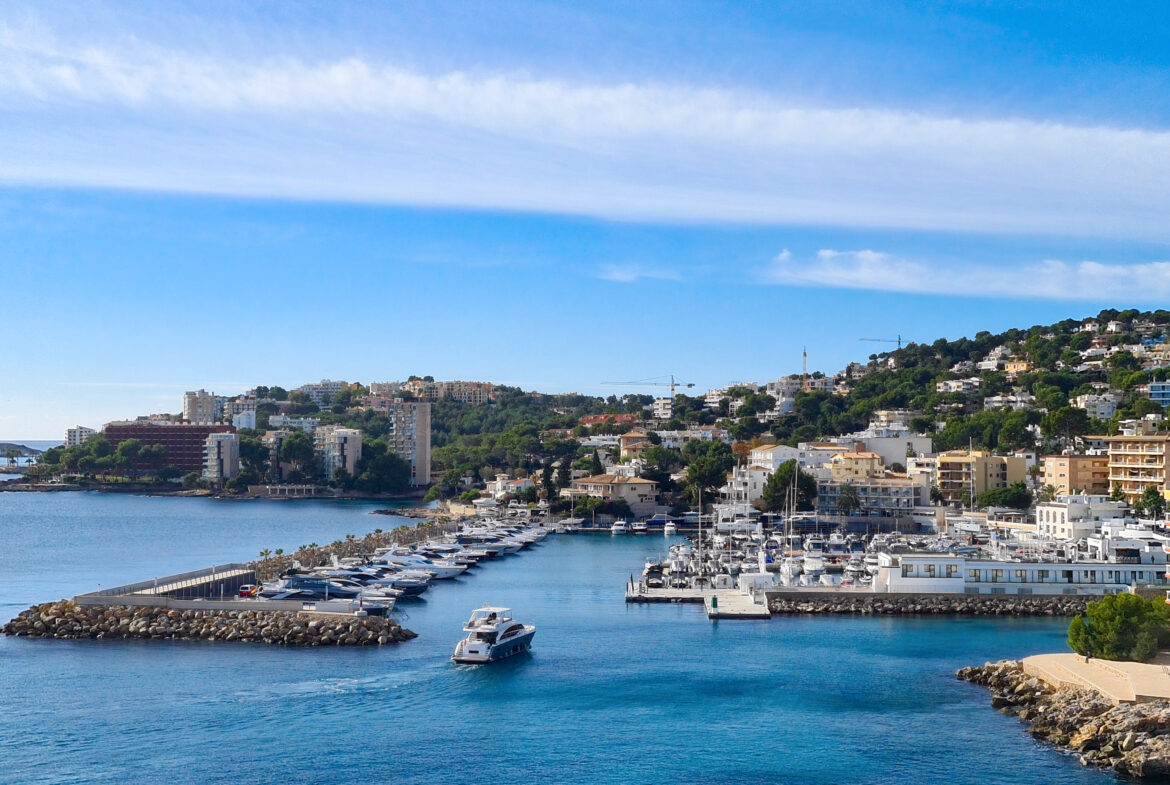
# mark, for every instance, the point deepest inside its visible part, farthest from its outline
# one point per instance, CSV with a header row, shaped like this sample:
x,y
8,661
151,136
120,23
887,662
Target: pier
x,y
717,603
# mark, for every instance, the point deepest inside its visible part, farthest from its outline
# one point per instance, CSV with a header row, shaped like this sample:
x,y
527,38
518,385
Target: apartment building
x,y
464,392
78,436
322,392
201,407
184,442
339,448
221,456
962,475
662,408
1077,473
639,493
1100,406
854,466
410,436
1137,463
306,424
880,497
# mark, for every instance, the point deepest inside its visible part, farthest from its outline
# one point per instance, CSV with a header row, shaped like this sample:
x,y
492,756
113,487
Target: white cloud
x,y
130,114
633,273
1049,279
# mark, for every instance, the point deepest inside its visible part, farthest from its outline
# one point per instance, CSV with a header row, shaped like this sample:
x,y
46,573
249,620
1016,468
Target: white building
x,y
306,424
933,573
786,387
1015,400
78,436
221,456
245,419
322,392
662,408
970,384
1074,517
339,448
891,443
1098,406
201,407
385,388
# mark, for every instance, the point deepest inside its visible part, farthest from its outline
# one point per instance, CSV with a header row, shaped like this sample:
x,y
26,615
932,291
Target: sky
x,y
556,195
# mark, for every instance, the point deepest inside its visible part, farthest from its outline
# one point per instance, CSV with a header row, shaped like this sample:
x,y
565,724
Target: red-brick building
x,y
183,442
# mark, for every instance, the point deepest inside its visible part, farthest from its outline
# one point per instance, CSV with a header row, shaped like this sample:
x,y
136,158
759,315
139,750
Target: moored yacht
x,y
638,527
669,529
619,527
492,634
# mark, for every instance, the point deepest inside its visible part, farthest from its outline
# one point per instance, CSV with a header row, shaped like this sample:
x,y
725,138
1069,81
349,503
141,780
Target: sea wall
x,y
925,604
67,620
1132,739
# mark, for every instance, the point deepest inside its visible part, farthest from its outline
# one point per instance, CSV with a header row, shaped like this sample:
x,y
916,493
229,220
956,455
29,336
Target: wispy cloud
x,y
126,113
631,273
1050,279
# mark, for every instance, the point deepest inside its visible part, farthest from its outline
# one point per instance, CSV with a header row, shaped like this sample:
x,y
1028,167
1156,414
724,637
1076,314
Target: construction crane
x,y
653,382
897,340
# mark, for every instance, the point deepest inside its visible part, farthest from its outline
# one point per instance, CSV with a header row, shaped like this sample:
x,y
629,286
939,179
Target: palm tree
x,y
848,501
264,554
280,551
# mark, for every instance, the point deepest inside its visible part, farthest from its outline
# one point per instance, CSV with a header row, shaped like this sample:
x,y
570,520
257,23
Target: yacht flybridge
x,y
492,634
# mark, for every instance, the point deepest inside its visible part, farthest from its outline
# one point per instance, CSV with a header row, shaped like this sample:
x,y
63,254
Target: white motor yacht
x,y
492,634
670,529
619,527
638,527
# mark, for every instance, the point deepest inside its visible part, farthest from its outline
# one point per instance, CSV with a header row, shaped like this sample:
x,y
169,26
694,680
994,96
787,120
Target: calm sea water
x,y
611,693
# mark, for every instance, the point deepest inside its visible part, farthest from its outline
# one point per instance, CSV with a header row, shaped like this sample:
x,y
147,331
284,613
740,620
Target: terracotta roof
x,y
613,479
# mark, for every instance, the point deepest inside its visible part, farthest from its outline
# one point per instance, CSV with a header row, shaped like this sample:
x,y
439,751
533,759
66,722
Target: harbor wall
x,y
869,603
68,620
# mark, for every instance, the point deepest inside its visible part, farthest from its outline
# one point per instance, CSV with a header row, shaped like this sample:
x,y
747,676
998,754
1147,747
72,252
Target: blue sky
x,y
554,195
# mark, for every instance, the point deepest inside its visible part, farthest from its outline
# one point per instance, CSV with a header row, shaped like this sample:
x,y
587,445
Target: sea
x,y
611,693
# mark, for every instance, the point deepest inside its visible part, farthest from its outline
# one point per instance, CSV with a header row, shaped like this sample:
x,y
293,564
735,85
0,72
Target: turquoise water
x,y
611,693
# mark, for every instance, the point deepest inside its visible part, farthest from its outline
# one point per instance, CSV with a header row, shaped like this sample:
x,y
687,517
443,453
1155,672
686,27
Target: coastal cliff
x,y
67,620
1131,739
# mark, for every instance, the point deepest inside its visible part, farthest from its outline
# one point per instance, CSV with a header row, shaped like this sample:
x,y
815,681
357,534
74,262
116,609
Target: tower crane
x,y
655,381
897,340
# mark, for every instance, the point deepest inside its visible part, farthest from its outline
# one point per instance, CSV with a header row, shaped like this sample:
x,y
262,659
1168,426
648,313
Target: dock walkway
x,y
718,603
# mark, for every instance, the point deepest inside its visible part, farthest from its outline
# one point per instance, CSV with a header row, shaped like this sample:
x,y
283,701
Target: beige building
x,y
1077,473
339,448
410,436
854,466
79,435
633,443
640,494
1137,463
221,456
964,475
201,407
464,392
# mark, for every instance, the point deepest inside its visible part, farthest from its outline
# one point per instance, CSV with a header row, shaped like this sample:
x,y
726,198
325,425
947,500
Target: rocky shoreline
x,y
67,620
938,604
1131,739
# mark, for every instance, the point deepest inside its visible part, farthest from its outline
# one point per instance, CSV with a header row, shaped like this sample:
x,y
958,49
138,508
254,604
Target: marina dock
x,y
718,603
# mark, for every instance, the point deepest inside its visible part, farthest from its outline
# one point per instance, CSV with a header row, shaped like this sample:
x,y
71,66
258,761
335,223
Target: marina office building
x,y
944,573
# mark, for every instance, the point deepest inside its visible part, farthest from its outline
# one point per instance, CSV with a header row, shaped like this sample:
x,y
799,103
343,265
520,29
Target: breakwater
x,y
67,620
1132,739
924,604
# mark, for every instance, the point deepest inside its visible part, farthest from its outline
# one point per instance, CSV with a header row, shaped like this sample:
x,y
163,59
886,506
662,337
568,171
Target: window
x,y
1041,575
953,570
1022,576
973,576
930,569
907,570
996,575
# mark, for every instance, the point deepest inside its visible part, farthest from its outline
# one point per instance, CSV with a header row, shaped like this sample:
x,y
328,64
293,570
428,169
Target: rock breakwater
x,y
917,604
67,620
1132,739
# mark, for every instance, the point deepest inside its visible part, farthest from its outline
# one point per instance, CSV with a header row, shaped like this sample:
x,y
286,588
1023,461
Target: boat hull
x,y
500,651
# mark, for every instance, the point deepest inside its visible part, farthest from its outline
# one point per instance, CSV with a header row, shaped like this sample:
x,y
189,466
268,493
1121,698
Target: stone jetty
x,y
1133,739
67,620
924,604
